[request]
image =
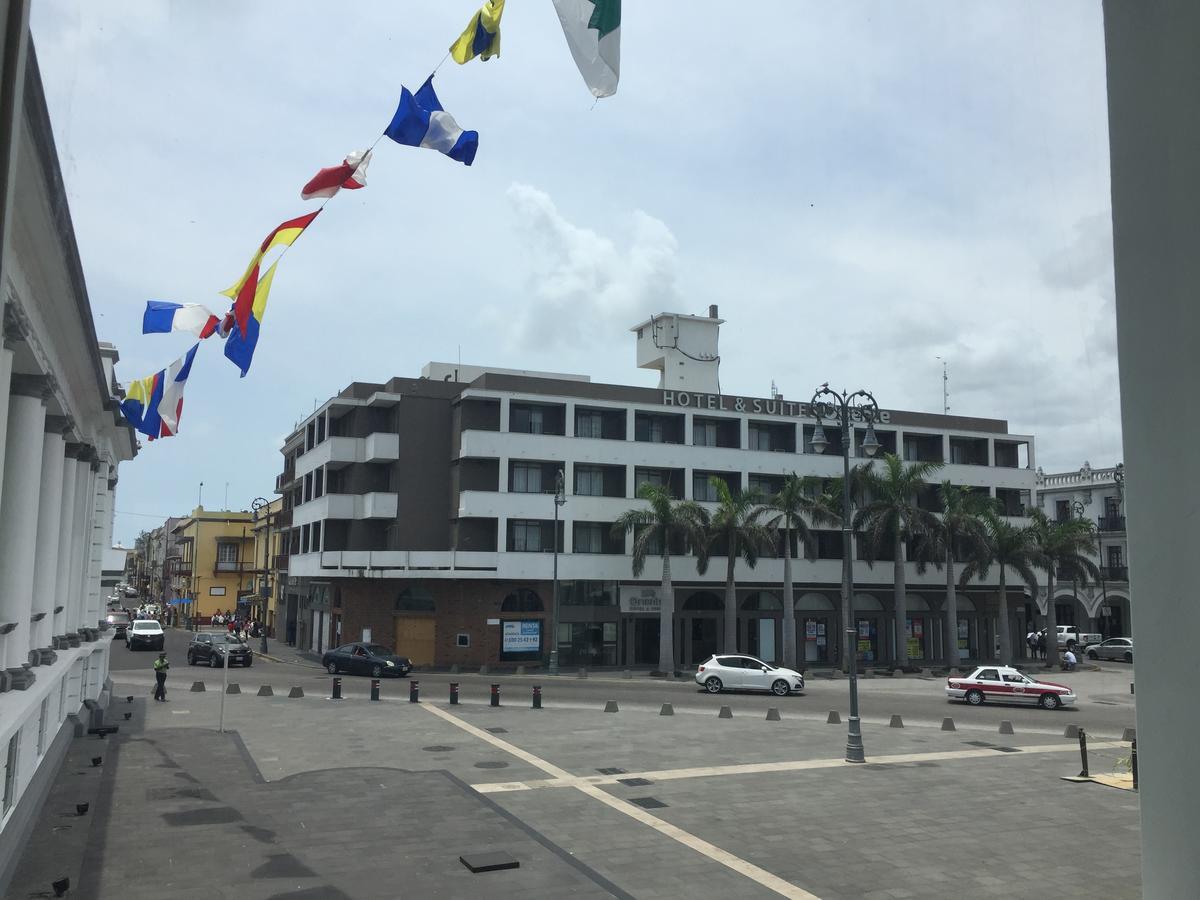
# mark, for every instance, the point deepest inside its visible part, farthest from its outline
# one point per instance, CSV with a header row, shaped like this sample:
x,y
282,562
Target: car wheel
x,y
1128,657
249,663
1050,701
1092,654
780,688
713,685
331,668
212,661
376,671
191,660
975,697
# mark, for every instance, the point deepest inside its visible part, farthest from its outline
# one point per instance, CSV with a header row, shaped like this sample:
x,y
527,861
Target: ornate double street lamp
x,y
264,589
559,500
842,409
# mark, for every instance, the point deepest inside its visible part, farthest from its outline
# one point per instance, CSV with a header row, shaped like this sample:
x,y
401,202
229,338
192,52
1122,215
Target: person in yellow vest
x,y
160,677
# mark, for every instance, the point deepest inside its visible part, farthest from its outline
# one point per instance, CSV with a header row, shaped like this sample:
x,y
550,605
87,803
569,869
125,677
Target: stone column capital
x,y
59,425
40,386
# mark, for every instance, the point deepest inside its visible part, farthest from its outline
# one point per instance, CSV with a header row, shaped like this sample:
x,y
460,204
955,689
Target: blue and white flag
x,y
420,121
162,316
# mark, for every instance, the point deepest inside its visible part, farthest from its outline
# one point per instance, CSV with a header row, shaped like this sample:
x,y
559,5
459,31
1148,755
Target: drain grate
x,y
498,730
491,764
635,782
1007,749
437,748
648,803
612,770
978,744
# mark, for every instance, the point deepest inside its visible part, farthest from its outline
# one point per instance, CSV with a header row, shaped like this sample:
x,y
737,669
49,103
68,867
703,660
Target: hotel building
x,y
423,514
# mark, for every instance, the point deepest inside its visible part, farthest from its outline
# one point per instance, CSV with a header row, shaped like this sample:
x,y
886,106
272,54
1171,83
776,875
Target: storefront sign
x,y
522,636
810,628
757,406
637,598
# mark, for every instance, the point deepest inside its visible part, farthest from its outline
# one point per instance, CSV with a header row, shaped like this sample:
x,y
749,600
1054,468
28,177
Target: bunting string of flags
x,y
154,404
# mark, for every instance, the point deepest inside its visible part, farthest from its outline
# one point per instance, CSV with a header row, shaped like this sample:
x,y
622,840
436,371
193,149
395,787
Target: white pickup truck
x,y
1071,638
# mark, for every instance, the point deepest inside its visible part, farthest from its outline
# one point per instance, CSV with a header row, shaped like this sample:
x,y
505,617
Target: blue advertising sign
x,y
522,636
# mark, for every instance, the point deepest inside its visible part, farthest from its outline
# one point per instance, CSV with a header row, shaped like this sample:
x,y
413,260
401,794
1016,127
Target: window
x,y
526,535
10,772
589,424
730,662
43,723
227,556
702,488
649,476
1115,554
316,536
522,600
589,481
989,675
704,433
527,479
528,419
760,438
462,640
1062,510
651,430
589,537
415,599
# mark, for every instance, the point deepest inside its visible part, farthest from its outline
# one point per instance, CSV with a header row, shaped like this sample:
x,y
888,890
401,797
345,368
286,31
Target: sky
x,y
865,189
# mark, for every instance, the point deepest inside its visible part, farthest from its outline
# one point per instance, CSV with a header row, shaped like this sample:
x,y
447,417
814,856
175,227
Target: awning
x,y
179,600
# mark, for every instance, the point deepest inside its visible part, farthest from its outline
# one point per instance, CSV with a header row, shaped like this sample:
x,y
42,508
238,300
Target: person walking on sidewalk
x,y
160,677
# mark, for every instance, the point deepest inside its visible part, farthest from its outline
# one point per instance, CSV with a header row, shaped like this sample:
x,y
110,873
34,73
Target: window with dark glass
x,y
527,478
589,481
526,535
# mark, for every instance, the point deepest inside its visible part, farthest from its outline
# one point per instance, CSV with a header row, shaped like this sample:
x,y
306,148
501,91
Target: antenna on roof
x,y
945,387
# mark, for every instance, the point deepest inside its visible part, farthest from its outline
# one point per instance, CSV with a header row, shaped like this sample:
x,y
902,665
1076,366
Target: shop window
x,y
415,599
522,600
703,601
761,601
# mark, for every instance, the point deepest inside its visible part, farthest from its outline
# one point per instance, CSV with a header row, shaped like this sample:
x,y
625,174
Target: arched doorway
x,y
967,639
1113,619
758,625
819,630
700,620
917,626
870,628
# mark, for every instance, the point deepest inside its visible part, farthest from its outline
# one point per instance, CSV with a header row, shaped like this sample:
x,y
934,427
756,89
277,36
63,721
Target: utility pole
x,y
945,387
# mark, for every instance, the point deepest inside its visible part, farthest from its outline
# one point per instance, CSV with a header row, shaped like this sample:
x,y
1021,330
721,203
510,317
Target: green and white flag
x,y
593,30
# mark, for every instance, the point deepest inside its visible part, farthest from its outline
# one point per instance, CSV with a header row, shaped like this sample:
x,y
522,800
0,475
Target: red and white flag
x,y
351,175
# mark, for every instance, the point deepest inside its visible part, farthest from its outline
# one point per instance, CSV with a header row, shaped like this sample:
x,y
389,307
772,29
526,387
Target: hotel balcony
x,y
337,452
1114,573
1111,523
374,505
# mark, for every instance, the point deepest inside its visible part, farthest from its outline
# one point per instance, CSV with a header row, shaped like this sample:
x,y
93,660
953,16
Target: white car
x,y
1003,684
745,673
145,633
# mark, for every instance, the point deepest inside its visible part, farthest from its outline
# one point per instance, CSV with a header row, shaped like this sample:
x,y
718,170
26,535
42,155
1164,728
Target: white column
x,y
74,597
45,560
62,560
18,518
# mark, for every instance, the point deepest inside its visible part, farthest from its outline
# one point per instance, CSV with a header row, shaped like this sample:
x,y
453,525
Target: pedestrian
x,y
160,677
1041,644
1031,641
1069,661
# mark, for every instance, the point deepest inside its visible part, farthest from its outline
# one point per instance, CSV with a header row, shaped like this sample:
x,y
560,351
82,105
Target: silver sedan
x,y
1120,648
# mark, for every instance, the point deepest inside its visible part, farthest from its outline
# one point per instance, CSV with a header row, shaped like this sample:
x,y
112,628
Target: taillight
x,y
701,669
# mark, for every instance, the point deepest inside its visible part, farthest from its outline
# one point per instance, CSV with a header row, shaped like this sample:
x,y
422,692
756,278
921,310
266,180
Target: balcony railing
x,y
1112,523
1115,573
233,567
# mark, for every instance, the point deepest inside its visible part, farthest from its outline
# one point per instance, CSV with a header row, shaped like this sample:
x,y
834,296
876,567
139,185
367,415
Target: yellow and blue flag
x,y
482,37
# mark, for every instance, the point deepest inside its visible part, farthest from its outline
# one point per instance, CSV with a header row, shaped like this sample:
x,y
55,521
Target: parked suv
x,y
144,633
218,648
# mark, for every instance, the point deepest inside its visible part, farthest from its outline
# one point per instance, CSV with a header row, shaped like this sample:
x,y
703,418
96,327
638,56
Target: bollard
x,y
1133,763
233,688
1131,687
948,724
611,706
582,673
725,713
1083,772
520,670
295,693
495,695
483,670
414,691
197,687
773,714
896,722
266,691
337,689
627,673
667,710
1006,726
535,701
454,693
833,718
1071,731
374,688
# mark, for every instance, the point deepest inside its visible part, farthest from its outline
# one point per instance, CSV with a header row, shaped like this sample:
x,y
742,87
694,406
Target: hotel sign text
x,y
755,405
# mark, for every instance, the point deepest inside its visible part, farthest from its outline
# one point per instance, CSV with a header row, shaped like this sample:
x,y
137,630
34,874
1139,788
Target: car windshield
x,y
146,626
378,650
118,617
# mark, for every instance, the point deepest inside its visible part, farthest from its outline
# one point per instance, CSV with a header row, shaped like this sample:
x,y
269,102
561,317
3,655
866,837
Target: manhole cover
x,y
491,764
635,782
437,748
612,770
498,730
1007,749
648,803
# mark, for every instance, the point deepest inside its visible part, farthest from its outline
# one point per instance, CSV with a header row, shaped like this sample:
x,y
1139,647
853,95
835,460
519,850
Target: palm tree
x,y
961,531
892,516
737,523
1010,547
798,502
656,528
1062,547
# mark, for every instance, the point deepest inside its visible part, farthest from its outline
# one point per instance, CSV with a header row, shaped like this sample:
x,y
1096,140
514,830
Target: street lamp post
x,y
265,589
559,500
842,409
1077,507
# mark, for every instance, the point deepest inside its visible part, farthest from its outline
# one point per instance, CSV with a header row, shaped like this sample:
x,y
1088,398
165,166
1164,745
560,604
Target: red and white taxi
x,y
1004,684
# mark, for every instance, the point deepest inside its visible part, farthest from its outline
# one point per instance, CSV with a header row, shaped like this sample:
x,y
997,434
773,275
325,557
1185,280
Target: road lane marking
x,y
747,869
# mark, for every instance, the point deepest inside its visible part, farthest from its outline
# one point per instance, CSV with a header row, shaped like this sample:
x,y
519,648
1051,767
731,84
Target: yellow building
x,y
216,562
270,562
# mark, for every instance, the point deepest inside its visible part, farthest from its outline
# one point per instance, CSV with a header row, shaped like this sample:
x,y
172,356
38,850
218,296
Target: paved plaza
x,y
310,797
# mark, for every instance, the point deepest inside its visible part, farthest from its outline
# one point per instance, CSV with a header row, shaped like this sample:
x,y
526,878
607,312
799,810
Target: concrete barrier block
x,y
948,724
667,710
266,691
773,714
454,669
197,687
295,692
582,673
520,670
1071,731
1129,735
896,722
627,673
611,706
833,718
725,713
233,688
1006,727
483,670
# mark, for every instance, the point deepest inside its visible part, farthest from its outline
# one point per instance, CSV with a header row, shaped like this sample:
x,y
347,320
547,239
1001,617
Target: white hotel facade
x,y
62,439
422,514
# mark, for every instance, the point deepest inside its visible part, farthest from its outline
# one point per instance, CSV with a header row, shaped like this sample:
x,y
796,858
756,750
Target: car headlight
x,y
389,663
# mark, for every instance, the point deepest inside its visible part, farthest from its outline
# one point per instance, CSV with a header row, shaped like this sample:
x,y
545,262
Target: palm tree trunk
x,y
1005,625
1051,621
666,620
899,600
951,624
730,602
789,607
